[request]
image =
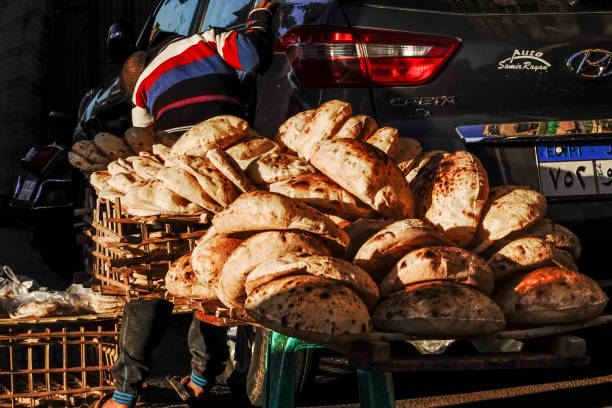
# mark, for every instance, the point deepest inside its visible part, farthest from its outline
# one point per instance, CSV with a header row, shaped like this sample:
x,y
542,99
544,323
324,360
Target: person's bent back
x,y
184,81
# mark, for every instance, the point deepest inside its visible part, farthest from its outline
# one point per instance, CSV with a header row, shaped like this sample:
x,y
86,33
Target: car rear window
x,y
175,16
226,13
494,6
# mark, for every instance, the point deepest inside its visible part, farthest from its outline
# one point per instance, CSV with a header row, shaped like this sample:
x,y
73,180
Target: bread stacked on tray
x,y
335,219
178,176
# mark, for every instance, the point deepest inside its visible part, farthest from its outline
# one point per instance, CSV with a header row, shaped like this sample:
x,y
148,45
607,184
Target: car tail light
x,y
38,157
337,57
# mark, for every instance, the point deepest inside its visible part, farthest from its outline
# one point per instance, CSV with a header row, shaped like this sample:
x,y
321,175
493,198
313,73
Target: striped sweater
x,y
191,79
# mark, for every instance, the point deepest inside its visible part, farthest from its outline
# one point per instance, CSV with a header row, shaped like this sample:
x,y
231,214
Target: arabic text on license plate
x,y
26,190
575,170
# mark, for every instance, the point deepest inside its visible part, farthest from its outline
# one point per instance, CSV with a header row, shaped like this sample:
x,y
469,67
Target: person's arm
x,y
248,50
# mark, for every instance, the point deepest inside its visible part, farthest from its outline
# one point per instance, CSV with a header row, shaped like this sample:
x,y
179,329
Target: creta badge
x,y
591,64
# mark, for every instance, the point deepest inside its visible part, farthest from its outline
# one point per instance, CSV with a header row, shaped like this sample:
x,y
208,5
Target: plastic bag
x,y
43,304
86,298
12,285
431,346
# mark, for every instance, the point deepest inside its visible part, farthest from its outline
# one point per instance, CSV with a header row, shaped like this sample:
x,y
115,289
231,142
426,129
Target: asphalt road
x,y
336,386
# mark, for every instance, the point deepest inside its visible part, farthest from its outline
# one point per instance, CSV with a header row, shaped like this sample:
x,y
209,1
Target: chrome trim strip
x,y
521,132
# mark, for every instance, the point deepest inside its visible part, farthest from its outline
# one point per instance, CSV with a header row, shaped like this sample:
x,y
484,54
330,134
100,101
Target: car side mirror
x,y
119,42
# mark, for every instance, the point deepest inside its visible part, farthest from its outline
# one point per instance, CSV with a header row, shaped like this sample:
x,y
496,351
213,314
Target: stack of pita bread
x,y
272,255
312,227
180,176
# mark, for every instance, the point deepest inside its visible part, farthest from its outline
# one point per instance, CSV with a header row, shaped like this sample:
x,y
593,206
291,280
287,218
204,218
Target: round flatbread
x,y
386,139
184,184
310,308
182,282
110,194
163,153
290,132
451,194
366,172
219,131
438,308
216,185
321,192
115,167
88,150
423,159
273,168
112,146
360,231
525,254
548,230
550,295
249,149
208,258
299,263
165,138
230,169
324,123
382,251
509,209
357,127
152,198
140,139
407,154
256,250
83,164
146,168
439,263
123,181
99,180
263,210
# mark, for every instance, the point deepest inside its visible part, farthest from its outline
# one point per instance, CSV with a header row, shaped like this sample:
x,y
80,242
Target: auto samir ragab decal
x,y
525,60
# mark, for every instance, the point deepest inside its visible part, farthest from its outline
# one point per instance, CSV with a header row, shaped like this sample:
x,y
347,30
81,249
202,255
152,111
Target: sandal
x,y
101,401
185,393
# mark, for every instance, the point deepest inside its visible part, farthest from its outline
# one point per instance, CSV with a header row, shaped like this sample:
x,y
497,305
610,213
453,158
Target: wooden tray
x,y
130,255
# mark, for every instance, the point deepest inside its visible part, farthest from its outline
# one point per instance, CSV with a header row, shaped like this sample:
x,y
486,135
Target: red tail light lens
x,y
336,57
38,157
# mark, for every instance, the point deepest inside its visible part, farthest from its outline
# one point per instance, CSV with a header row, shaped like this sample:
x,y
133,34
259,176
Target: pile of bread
x,y
336,226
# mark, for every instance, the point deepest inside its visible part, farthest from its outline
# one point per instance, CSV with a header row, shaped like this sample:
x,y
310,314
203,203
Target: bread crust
x,y
311,308
299,263
381,252
256,250
550,295
366,172
263,210
438,308
439,263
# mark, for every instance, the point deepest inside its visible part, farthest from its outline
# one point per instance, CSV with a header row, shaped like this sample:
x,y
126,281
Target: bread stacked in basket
x,y
337,226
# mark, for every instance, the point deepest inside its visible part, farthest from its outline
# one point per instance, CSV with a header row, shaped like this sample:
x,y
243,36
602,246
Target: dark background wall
x,y
51,52
78,48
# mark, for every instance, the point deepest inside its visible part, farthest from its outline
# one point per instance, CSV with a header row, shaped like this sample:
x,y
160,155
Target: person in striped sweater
x,y
180,82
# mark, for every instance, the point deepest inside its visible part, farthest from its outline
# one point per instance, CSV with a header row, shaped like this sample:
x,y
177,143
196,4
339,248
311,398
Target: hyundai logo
x,y
590,64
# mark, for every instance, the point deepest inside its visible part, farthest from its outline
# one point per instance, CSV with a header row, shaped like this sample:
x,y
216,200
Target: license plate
x,y
26,190
575,170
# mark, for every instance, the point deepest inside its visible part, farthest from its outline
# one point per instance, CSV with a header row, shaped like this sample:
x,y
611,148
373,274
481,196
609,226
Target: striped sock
x,y
198,381
124,398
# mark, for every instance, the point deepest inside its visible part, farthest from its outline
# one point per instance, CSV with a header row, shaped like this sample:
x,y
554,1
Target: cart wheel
x,y
306,364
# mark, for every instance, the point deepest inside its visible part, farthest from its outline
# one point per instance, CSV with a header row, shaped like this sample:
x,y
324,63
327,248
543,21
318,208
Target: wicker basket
x,y
62,361
131,255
